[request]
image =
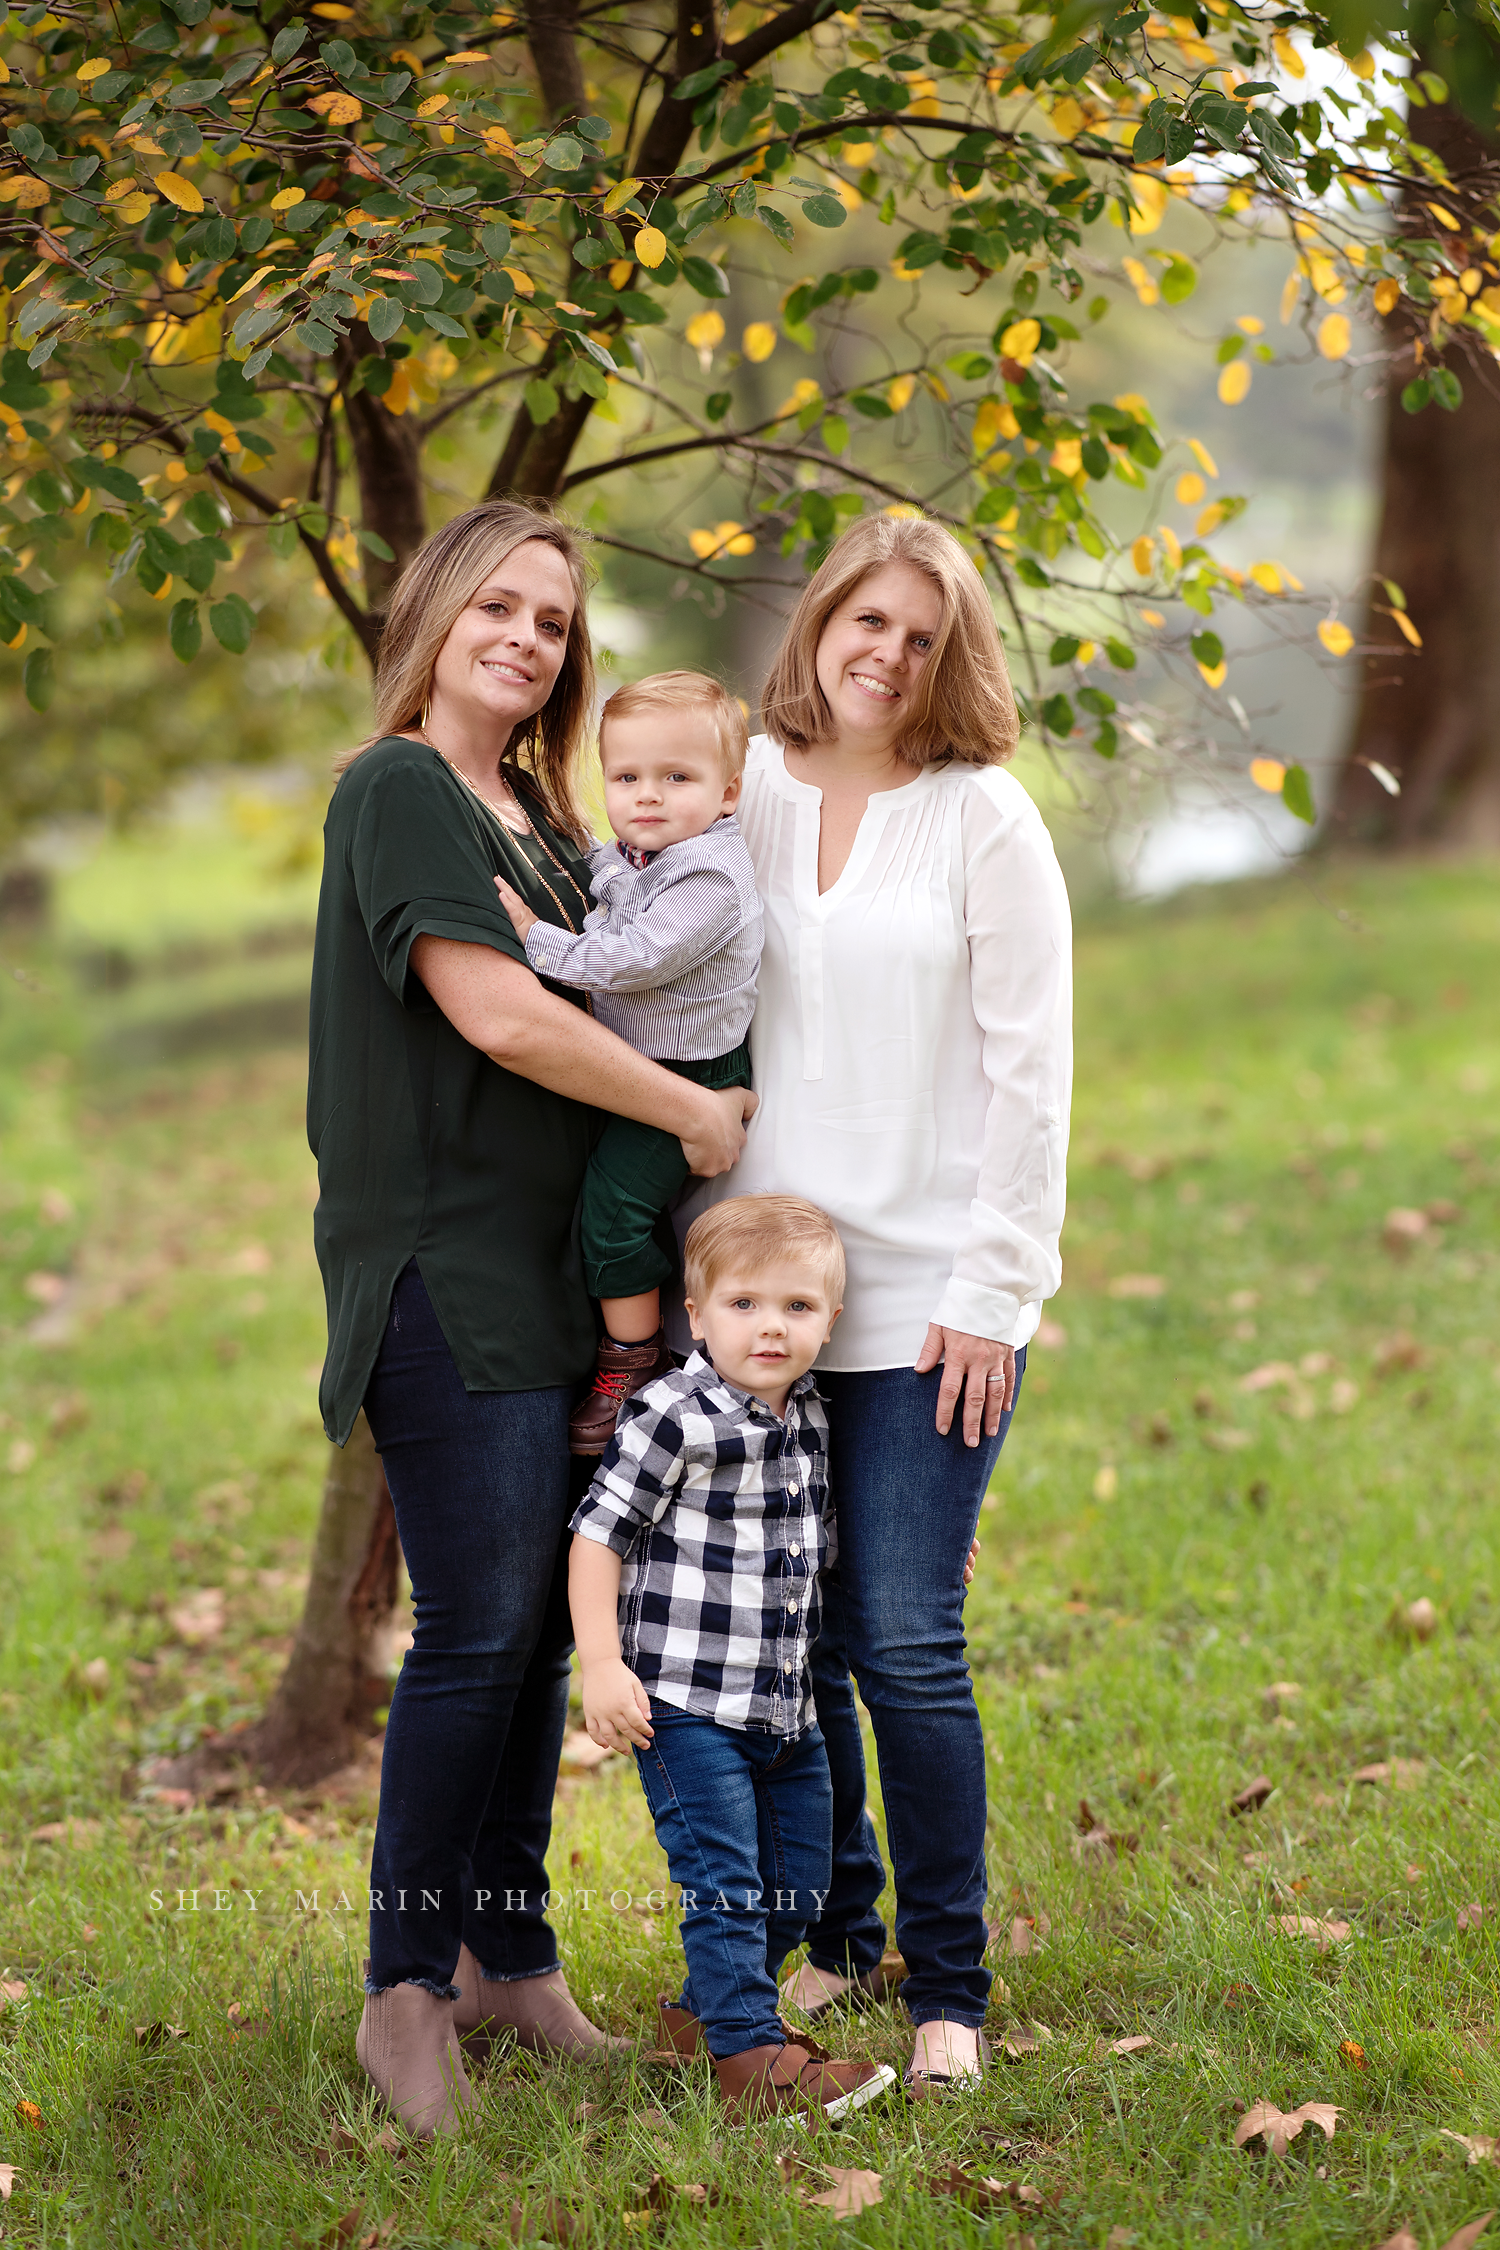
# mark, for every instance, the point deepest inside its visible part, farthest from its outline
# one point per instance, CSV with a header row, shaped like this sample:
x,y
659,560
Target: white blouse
x,y
912,1049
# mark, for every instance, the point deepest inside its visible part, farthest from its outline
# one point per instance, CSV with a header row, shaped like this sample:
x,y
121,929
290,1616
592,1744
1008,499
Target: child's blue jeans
x,y
746,1822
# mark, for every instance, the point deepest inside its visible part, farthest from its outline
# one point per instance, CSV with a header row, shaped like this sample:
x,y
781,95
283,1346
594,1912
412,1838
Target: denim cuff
x,y
517,1976
438,1991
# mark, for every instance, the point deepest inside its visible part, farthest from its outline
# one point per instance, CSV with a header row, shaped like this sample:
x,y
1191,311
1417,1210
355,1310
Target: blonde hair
x,y
431,595
750,1232
686,691
961,706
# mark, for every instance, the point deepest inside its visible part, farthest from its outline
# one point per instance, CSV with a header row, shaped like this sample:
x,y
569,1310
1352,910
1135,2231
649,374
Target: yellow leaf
x,y
397,398
1143,555
19,641
618,196
1387,295
28,194
1405,624
97,66
286,197
1268,774
620,272
803,395
1291,292
1150,198
470,55
1067,459
1214,674
176,473
498,142
994,418
1171,545
1142,281
180,191
1267,577
1067,117
334,10
1287,55
1250,325
1020,341
5,81
858,153
1210,520
337,109
1190,490
898,392
1131,402
1234,382
163,589
725,539
705,330
1334,336
411,58
650,246
1151,617
521,281
1362,64
432,105
132,208
758,341
1444,218
1203,457
1335,636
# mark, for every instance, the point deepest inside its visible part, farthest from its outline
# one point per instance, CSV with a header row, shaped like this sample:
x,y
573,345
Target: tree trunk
x,y
552,36
1431,716
338,1673
388,468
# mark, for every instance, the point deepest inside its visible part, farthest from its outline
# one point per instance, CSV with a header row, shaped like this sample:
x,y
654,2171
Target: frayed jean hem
x,y
518,1976
427,1984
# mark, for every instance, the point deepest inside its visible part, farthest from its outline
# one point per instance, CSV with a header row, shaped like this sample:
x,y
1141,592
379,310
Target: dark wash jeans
x,y
908,1505
745,1821
480,1483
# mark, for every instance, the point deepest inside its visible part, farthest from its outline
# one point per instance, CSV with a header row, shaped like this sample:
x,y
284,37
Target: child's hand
x,y
515,906
970,1561
615,1707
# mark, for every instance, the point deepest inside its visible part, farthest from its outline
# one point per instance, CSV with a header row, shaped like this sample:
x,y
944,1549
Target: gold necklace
x,y
512,839
526,828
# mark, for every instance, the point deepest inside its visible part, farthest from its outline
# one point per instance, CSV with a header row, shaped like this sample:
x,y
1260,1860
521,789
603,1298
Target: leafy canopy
x,y
241,246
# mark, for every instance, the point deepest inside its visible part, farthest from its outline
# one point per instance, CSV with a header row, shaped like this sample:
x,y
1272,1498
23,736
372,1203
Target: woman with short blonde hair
x,y
912,1050
452,1100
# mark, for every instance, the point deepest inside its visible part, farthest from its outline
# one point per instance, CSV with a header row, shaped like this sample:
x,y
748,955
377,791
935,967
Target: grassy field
x,y
1253,1437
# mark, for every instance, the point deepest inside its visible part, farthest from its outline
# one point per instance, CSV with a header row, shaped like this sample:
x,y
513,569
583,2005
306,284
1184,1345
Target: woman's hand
x,y
615,1708
714,1141
984,1371
515,906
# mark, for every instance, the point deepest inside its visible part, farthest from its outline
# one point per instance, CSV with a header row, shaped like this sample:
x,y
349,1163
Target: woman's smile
x,y
868,684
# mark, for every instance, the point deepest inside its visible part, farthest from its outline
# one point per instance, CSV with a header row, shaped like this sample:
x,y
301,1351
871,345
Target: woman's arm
x,y
501,1008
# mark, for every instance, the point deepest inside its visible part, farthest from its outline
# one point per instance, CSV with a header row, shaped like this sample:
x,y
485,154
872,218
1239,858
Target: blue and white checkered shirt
x,y
671,951
722,1515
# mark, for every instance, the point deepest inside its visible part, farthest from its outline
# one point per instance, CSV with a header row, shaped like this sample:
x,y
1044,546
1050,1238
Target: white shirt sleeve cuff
x,y
991,1313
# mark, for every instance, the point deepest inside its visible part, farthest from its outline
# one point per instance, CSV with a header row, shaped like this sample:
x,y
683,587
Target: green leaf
x,y
39,679
1230,349
835,432
185,631
703,275
1096,700
1297,796
1447,390
541,399
824,211
1207,649
777,223
876,408
1107,740
1057,715
494,241
1417,394
700,81
1179,281
286,43
1064,649
233,621
48,493
282,539
717,405
385,317
1031,573
202,512
1121,655
564,155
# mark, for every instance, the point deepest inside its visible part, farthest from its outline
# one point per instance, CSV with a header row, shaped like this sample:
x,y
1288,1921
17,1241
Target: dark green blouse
x,y
426,1149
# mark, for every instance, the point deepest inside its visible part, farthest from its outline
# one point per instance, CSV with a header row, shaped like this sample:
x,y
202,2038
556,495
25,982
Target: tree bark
x,y
552,36
1431,716
337,1675
388,468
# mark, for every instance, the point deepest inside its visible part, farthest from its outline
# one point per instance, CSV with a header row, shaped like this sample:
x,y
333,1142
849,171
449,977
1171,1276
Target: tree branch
x,y
436,420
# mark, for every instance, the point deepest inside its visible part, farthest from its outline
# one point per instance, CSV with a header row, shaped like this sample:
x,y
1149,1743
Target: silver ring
x,y
991,1380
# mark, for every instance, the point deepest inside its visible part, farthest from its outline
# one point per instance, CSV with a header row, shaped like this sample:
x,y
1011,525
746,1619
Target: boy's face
x,y
765,1328
663,778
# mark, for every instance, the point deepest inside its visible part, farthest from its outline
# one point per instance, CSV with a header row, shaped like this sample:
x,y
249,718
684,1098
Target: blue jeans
x,y
893,1615
745,1821
480,1482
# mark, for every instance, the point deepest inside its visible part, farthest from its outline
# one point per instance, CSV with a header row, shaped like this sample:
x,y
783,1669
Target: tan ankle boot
x,y
409,2050
541,2011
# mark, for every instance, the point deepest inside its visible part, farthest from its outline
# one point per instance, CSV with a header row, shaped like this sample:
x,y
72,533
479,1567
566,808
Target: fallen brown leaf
x,y
157,2034
550,2218
1026,1933
1421,1618
1402,1230
27,2113
1399,1351
1027,2041
1402,2239
853,2191
981,2193
1392,1773
1138,1285
1278,2128
1279,1694
7,2181
1268,1377
199,1616
1136,2044
1353,2054
345,2229
74,1834
1483,2148
1253,1795
1470,1917
1415,1874
1466,2237
13,1989
1309,1926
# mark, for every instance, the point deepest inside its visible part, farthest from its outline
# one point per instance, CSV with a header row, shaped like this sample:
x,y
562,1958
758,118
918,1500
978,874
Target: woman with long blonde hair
x,y
451,1105
912,1051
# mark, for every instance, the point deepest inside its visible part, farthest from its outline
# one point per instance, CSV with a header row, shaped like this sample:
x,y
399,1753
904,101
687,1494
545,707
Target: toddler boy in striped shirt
x,y
693,1581
671,953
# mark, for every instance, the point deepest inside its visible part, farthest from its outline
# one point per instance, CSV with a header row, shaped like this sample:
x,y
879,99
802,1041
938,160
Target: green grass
x,y
1262,1077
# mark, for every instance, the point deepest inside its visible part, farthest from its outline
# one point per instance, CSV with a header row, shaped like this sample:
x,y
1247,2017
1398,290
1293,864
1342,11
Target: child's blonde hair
x,y
685,691
750,1232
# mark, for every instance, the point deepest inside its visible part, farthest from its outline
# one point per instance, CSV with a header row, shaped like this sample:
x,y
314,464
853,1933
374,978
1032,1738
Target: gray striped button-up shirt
x,y
671,951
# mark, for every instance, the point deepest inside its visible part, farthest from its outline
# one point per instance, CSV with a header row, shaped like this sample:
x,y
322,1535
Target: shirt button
x,y
792,1603
787,1666
795,1548
792,1489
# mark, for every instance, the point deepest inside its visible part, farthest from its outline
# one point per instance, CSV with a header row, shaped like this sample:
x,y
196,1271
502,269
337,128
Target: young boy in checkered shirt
x,y
694,1587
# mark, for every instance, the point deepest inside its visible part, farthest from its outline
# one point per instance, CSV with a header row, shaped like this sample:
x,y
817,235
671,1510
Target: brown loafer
x,y
541,2011
800,2078
677,2031
619,1370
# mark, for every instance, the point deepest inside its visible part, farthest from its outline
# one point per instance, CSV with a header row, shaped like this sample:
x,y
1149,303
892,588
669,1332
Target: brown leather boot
x,y
677,2031
408,2048
800,2078
541,2011
619,1370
